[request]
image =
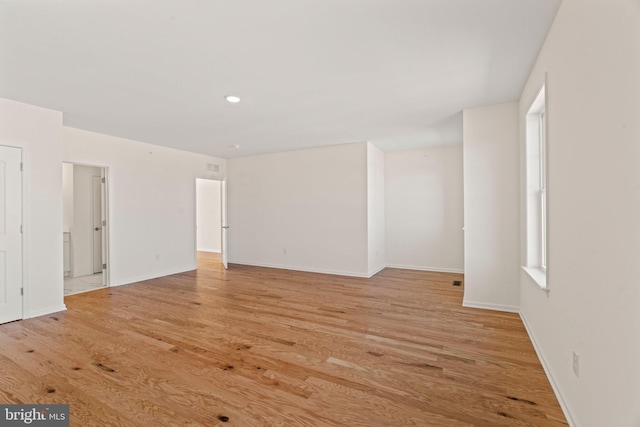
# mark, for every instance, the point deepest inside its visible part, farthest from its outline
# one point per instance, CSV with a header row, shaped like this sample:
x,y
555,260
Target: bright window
x,y
536,162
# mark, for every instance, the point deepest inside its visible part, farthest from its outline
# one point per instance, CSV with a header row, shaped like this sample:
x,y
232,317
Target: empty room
x,y
320,213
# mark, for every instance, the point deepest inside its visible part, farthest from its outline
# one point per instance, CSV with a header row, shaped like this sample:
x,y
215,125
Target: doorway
x,y
85,208
210,227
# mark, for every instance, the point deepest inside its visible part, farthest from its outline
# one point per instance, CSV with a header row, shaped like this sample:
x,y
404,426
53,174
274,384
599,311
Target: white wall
x,y
152,218
310,203
592,57
375,209
491,207
424,209
37,131
67,196
82,226
208,215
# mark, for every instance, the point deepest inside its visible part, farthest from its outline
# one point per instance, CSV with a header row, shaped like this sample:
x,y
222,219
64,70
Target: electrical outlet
x,y
284,251
576,364
157,257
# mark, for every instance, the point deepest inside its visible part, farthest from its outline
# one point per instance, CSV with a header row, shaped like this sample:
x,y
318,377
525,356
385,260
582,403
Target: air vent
x,y
457,283
213,168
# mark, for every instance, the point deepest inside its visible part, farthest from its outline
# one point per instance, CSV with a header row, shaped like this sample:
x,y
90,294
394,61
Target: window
x,y
536,202
542,166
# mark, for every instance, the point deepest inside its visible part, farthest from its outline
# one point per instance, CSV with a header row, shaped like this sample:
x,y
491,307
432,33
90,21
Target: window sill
x,y
538,275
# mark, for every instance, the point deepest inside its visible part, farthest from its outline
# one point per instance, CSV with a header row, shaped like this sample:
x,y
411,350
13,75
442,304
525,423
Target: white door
x,y
96,196
225,227
10,234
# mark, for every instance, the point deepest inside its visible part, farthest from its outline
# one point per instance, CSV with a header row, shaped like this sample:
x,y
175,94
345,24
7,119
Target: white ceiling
x,y
396,73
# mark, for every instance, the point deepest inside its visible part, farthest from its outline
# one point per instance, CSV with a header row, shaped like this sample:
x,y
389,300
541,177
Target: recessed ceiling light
x,y
236,146
232,98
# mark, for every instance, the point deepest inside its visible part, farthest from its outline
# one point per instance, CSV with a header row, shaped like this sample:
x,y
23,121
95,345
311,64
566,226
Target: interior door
x,y
96,196
10,234
225,226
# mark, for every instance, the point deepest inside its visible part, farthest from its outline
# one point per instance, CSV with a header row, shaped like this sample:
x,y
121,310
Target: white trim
x,y
566,409
536,199
538,275
130,281
106,272
24,190
104,173
489,306
220,179
306,270
48,310
422,268
346,273
212,251
26,283
376,271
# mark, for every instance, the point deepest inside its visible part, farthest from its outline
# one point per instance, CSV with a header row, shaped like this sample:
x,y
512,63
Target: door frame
x,y
224,224
222,181
101,220
23,214
106,229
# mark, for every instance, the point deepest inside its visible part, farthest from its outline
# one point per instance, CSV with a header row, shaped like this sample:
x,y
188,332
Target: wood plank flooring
x,y
263,347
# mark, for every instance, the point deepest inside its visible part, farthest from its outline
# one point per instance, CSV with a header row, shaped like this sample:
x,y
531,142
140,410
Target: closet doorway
x,y
85,236
210,230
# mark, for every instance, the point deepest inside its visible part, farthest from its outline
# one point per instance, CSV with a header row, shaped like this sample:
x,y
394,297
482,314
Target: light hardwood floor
x,y
262,347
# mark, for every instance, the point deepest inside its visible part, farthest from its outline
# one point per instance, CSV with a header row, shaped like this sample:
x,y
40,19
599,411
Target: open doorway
x,y
85,235
209,222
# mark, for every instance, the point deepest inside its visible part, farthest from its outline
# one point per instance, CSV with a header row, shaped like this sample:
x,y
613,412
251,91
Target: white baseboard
x,y
307,270
47,310
346,273
213,251
489,306
131,280
422,268
376,271
554,385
